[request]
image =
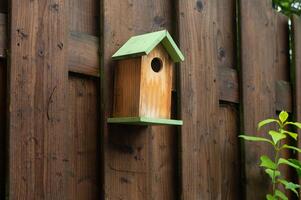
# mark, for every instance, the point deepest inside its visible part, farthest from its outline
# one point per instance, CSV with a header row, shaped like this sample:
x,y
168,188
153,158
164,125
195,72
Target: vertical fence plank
x,y
226,34
83,106
3,107
258,54
229,152
296,72
133,166
200,170
282,48
83,127
38,139
3,146
228,112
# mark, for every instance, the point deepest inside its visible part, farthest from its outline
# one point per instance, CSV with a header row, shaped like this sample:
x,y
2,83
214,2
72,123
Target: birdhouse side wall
x,y
155,89
127,88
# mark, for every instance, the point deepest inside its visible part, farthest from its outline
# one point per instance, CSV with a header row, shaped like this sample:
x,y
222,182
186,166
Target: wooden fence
x,y
56,91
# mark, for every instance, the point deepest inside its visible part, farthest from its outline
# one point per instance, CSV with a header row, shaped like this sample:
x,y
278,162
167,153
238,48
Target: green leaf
x,y
270,197
290,186
265,122
291,134
297,124
256,139
287,162
273,174
276,136
296,162
291,147
280,194
267,162
283,116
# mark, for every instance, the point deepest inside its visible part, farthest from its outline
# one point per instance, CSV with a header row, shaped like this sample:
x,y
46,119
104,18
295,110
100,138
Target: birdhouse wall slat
x,y
127,88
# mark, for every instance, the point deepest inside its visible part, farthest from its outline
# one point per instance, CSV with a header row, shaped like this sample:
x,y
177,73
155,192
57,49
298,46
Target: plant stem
x,y
274,175
277,149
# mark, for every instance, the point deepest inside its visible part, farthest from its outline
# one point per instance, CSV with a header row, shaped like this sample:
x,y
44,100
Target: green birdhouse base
x,y
144,121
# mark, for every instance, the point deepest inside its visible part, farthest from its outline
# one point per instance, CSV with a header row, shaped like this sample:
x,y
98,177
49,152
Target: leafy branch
x,y
288,7
271,166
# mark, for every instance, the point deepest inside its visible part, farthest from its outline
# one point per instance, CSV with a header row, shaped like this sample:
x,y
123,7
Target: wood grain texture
x,y
3,102
83,50
282,48
83,54
84,100
258,74
200,170
226,34
284,100
3,135
229,152
155,100
228,85
38,77
85,138
296,72
128,151
3,35
84,16
127,88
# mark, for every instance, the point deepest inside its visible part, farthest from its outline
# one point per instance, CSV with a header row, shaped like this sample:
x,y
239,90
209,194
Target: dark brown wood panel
x,y
229,152
163,163
284,100
3,6
226,34
84,16
85,138
3,135
3,35
296,71
129,151
83,54
228,85
3,98
38,76
258,73
282,64
200,170
228,95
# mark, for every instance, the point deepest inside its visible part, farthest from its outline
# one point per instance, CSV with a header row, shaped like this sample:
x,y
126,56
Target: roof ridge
x,y
140,45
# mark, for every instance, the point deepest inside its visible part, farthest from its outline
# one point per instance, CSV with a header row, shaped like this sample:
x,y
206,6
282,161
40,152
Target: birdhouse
x,y
143,80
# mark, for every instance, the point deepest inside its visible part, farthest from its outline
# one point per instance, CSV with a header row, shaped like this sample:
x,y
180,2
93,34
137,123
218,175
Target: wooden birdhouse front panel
x,y
156,84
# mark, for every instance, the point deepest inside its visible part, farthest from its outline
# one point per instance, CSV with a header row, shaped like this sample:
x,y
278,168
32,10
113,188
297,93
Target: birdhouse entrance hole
x,y
156,65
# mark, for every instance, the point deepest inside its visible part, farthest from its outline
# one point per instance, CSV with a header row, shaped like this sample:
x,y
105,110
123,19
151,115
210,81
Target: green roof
x,y
143,44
